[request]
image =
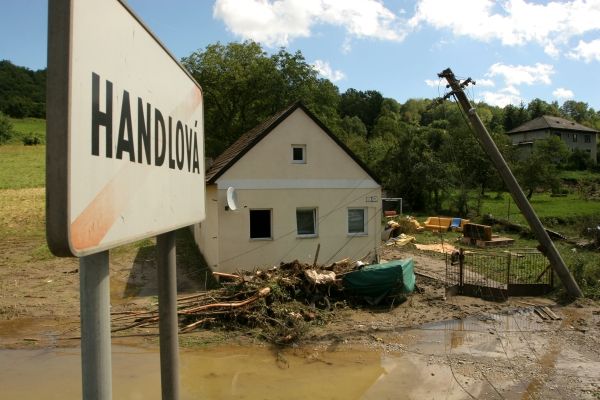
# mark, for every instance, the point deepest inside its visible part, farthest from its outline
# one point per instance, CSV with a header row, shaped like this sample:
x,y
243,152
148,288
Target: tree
x,y
6,129
364,105
415,169
576,110
515,116
540,169
538,108
22,91
243,86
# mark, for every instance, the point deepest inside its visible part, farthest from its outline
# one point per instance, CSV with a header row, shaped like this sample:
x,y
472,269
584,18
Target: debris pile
x,y
278,304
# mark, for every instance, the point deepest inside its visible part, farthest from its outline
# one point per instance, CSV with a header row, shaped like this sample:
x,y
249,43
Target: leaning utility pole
x,y
518,196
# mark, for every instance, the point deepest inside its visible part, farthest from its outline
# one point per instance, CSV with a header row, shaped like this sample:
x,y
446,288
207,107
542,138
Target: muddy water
x,y
500,356
221,373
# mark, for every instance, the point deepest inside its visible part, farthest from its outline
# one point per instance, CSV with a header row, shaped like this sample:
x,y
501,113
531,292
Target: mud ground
x,y
491,350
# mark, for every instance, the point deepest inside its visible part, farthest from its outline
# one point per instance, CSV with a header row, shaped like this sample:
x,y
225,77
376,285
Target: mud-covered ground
x,y
430,346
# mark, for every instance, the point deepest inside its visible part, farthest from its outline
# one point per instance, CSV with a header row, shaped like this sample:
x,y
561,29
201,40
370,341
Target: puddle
x,y
31,330
501,356
222,373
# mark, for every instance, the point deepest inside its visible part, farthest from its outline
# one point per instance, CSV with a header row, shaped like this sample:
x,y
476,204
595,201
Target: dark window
x,y
357,221
574,137
306,221
587,139
299,154
260,224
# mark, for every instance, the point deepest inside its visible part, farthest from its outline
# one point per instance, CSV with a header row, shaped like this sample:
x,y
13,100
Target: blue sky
x,y
516,50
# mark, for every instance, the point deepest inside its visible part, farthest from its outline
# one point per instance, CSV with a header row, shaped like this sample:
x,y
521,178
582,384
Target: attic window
x,y
299,153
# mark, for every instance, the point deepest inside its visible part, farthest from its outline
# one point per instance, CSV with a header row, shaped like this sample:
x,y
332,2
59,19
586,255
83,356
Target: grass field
x,y
551,210
28,127
22,166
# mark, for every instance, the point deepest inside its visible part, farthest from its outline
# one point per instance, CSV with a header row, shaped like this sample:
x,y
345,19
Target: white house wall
x,y
237,250
206,234
270,159
266,178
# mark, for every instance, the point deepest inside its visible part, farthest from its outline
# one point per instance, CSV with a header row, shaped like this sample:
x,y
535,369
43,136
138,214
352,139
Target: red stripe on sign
x,y
90,227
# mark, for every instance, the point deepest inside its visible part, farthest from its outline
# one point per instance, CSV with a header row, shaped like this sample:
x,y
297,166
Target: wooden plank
x,y
541,314
550,313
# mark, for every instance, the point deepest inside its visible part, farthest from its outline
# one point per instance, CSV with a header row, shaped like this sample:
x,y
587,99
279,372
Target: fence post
x,y
461,264
508,261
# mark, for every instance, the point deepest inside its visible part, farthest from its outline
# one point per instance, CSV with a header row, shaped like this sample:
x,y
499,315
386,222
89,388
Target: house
x,y
575,136
281,190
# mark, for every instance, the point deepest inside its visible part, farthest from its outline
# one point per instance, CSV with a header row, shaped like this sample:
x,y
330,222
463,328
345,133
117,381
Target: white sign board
x,y
125,140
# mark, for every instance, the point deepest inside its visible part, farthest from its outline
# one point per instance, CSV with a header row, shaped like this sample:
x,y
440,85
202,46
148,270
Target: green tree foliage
x,y
576,110
22,91
538,108
243,86
364,105
515,116
539,170
6,129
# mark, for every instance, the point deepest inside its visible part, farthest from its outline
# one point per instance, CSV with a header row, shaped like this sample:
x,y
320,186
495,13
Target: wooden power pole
x,y
518,196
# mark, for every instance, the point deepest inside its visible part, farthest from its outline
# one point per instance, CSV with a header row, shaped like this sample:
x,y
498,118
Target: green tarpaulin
x,y
380,280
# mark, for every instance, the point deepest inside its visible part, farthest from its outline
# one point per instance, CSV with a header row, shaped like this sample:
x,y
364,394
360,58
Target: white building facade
x,y
297,188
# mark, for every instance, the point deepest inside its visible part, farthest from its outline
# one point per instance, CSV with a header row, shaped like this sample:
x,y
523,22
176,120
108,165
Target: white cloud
x,y
586,51
512,22
485,82
515,75
504,97
563,94
277,22
324,69
432,83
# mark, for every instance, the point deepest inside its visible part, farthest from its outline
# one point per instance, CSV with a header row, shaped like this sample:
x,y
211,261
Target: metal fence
x,y
498,274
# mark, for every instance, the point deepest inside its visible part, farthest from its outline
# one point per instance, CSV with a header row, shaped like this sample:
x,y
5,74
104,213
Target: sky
x,y
515,50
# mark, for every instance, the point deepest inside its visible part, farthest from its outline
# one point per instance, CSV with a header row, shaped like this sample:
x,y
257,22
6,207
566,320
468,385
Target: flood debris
x,y
280,304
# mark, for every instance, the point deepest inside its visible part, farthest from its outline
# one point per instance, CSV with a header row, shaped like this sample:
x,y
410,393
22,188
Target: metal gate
x,y
498,275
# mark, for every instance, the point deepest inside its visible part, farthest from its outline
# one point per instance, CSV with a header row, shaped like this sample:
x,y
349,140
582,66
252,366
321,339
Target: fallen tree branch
x,y
234,304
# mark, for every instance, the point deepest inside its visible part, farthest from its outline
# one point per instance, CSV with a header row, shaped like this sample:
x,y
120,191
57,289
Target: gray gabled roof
x,y
249,139
551,122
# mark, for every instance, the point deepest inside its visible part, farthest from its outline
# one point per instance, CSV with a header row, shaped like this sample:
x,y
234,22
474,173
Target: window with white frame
x,y
299,153
260,224
306,222
357,221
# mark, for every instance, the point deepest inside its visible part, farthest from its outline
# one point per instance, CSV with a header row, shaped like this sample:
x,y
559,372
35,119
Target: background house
x,y
297,186
575,136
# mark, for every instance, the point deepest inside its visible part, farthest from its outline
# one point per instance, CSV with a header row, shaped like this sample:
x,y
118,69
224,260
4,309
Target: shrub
x,y
6,129
32,139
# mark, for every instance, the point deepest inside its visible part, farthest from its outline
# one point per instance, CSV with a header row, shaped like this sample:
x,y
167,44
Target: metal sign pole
x,y
167,312
94,298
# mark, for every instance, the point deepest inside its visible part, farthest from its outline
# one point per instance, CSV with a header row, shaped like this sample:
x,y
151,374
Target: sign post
x,y
167,314
95,326
124,162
